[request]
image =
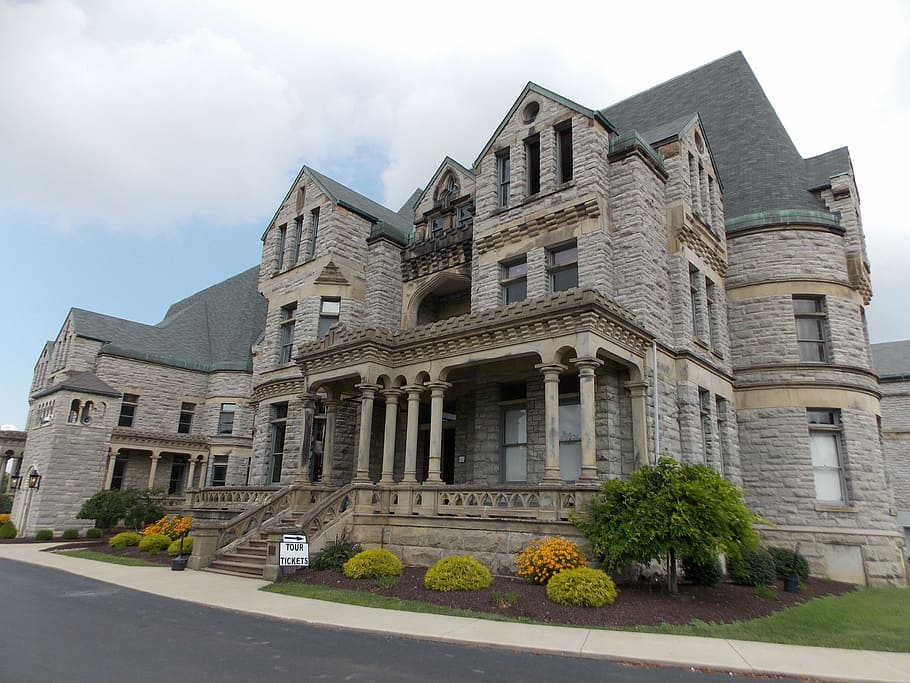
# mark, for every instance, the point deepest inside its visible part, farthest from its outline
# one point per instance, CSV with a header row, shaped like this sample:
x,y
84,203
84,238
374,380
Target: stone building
x,y
664,276
892,362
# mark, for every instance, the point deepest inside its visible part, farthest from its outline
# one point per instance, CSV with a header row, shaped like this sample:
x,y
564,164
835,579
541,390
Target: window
x,y
186,417
128,410
564,152
298,235
720,406
75,407
119,472
177,482
464,215
563,267
713,320
515,443
704,411
827,462
226,418
277,430
693,299
503,177
219,470
282,241
514,280
314,231
694,193
329,312
809,312
437,226
569,439
286,349
532,164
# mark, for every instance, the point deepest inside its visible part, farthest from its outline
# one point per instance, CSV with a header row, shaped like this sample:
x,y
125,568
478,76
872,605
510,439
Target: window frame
x,y
820,317
565,164
554,269
314,232
223,422
503,178
219,470
506,281
835,430
512,406
185,421
704,423
282,244
287,327
532,165
277,437
327,319
298,236
128,407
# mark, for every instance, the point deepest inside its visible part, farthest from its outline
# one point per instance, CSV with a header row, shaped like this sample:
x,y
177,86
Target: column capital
x,y
436,387
155,456
637,388
414,389
586,364
307,399
391,395
331,404
368,390
550,370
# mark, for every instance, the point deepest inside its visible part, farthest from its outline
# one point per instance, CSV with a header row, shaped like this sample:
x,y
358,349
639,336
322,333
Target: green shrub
x,y
755,568
136,507
174,548
542,558
335,554
765,593
457,574
703,573
7,530
154,543
6,504
70,534
44,535
94,532
372,564
788,562
582,587
124,539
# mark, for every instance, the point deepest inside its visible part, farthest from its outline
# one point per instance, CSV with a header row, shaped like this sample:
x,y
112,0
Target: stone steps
x,y
247,560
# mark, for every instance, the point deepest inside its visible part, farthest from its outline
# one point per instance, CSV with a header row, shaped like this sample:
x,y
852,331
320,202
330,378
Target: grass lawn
x,y
868,619
113,559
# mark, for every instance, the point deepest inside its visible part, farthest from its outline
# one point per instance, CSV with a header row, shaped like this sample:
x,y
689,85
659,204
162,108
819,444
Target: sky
x,y
145,145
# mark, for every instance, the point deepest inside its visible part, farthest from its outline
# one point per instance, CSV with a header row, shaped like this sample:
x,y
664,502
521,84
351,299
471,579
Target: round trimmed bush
x,y
154,543
372,564
44,535
94,532
582,587
4,518
174,548
544,557
788,562
70,534
703,573
7,530
755,568
124,539
461,573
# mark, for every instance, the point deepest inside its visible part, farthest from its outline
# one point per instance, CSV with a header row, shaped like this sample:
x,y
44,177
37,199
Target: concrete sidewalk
x,y
243,595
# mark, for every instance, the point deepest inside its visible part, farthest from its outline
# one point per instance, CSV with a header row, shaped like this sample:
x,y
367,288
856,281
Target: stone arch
x,y
446,190
443,295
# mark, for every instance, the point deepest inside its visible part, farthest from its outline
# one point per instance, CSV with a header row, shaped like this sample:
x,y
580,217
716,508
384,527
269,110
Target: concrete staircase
x,y
247,560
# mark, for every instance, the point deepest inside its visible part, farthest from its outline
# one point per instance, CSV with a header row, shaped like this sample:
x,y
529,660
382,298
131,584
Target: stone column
x,y
109,476
410,444
308,405
367,393
328,440
391,425
191,474
156,456
639,395
4,460
204,473
586,368
437,392
551,420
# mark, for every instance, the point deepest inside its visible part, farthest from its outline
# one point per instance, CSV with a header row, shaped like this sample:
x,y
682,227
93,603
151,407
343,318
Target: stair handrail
x,y
324,505
263,514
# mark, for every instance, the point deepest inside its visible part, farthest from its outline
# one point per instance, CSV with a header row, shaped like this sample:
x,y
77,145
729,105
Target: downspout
x,y
656,407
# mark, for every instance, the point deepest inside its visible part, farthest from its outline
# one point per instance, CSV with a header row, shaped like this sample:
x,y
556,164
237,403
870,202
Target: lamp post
x,y
178,564
15,481
34,480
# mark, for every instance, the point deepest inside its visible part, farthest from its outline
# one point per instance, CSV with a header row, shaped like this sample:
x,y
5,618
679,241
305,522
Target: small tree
x,y
142,507
668,511
105,507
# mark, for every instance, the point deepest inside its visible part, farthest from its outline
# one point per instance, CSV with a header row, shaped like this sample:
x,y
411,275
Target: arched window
x,y
87,411
74,411
446,191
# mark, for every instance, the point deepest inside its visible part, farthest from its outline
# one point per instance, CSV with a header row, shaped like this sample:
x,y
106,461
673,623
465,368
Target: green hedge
x,y
372,564
462,573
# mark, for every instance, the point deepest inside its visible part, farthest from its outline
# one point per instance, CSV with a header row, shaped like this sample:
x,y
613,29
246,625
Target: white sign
x,y
293,551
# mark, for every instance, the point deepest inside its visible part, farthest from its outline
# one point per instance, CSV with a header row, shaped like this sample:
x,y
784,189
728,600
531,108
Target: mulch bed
x,y
637,604
101,546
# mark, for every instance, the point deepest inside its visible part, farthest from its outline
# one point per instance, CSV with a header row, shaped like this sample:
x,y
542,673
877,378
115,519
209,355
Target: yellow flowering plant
x,y
544,557
172,527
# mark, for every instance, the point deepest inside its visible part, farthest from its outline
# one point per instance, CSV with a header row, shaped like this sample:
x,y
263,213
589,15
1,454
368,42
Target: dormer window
x,y
437,226
564,169
447,191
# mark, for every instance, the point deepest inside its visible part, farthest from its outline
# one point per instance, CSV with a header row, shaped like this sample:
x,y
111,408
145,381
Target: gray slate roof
x,y
759,165
349,199
86,382
892,359
210,330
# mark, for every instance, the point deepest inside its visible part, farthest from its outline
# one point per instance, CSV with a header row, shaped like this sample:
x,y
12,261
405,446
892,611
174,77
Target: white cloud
x,y
146,116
